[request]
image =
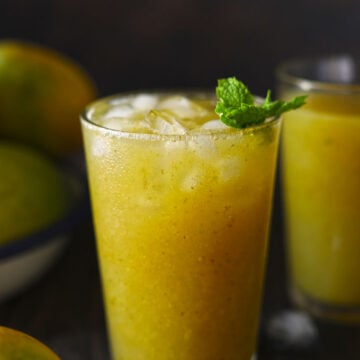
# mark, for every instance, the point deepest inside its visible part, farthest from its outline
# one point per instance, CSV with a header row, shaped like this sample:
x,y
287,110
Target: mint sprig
x,y
236,105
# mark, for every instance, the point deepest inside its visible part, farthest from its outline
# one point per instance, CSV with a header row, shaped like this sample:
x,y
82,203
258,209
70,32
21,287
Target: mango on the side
x,y
16,345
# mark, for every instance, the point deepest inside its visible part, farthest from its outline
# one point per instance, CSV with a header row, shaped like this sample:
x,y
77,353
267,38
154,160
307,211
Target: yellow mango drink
x,y
321,182
181,205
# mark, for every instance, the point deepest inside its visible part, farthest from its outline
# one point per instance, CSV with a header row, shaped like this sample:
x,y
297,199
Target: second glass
x,y
181,206
321,182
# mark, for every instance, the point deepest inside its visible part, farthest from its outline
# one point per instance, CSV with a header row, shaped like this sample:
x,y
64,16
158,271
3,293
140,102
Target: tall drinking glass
x,y
321,185
181,206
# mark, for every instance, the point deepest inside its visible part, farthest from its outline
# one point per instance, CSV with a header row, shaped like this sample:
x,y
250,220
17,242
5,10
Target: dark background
x,y
132,44
138,44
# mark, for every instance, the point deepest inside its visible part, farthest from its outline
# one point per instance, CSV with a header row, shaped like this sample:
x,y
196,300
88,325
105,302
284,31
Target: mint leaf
x,y
233,92
236,106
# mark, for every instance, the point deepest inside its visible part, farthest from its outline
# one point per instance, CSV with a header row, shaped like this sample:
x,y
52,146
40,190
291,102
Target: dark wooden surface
x,y
64,309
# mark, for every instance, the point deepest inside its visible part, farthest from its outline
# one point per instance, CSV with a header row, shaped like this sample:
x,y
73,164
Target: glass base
x,y
336,313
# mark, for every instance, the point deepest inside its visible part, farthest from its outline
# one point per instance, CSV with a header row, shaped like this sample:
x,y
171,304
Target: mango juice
x,y
321,178
181,210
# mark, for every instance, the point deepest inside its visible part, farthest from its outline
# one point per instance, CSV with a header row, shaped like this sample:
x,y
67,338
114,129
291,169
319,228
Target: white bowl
x,y
24,261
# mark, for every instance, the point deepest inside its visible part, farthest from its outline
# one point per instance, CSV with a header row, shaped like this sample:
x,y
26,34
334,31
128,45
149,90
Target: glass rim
x,y
228,131
285,73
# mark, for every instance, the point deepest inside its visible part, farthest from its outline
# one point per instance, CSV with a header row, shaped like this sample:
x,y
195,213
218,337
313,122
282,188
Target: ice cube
x,y
203,146
119,100
145,102
229,168
191,180
99,146
181,107
98,111
123,111
128,125
118,123
214,125
163,122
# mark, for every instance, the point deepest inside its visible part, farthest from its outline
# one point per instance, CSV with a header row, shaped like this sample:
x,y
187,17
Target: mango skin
x,y
16,345
42,93
33,192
